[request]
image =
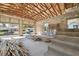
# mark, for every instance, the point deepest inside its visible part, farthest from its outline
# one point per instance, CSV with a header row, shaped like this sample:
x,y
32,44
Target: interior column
x,y
20,27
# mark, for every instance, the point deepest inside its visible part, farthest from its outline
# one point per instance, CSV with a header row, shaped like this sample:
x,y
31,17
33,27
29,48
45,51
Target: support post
x,y
20,28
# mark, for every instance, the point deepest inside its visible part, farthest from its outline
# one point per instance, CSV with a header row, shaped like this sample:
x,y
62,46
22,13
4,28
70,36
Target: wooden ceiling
x,y
35,11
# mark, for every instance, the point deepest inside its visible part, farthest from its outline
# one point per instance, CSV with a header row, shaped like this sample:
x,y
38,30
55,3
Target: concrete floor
x,y
39,48
36,48
52,52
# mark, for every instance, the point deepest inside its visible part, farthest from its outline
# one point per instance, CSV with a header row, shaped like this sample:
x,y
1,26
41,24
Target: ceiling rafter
x,y
60,11
9,12
7,9
48,9
38,14
40,10
24,10
35,11
57,9
64,6
12,9
54,9
29,9
42,6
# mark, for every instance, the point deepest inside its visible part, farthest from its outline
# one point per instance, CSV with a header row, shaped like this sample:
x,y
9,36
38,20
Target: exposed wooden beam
x,y
65,5
60,11
10,8
24,10
48,9
29,10
35,11
11,12
42,6
54,9
40,10
19,11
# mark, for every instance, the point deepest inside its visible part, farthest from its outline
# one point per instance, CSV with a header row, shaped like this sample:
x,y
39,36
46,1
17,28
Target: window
x,y
8,29
45,26
73,24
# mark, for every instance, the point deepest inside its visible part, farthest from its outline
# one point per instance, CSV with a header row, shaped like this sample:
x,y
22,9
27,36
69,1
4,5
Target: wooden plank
x,y
60,11
34,10
40,10
19,11
48,9
54,9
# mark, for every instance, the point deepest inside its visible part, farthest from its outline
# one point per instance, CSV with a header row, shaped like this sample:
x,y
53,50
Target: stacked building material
x,y
12,48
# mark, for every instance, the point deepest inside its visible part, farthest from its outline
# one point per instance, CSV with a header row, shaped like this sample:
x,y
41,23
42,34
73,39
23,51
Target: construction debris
x,y
40,38
36,38
12,48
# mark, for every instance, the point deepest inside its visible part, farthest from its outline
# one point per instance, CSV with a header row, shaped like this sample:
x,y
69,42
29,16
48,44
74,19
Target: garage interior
x,y
39,29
